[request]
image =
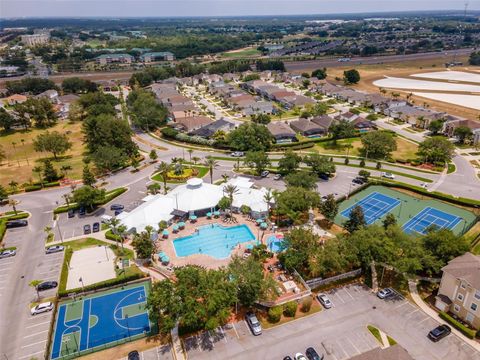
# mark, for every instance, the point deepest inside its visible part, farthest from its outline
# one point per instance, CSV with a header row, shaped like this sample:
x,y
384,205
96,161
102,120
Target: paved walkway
x,y
177,347
412,285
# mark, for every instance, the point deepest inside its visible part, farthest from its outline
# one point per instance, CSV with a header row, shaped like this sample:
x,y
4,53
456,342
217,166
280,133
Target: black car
x,y
324,177
359,181
87,229
71,213
133,355
118,212
82,211
439,333
117,207
16,223
312,354
96,227
47,285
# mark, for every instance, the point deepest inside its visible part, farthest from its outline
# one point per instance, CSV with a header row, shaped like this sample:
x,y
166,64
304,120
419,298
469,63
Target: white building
x,y
36,39
195,197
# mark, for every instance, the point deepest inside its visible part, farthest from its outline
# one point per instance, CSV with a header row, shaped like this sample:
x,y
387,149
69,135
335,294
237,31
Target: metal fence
x,y
314,283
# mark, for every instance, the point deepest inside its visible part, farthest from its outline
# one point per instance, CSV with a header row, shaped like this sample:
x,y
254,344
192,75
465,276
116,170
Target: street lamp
x,y
83,286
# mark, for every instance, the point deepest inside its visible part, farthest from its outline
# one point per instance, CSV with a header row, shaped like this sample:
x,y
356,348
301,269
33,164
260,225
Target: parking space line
x,y
399,306
342,350
35,343
31,355
235,329
40,332
336,294
223,333
353,345
36,317
348,293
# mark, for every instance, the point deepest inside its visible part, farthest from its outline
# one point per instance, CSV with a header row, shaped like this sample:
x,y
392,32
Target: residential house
x,y
363,125
15,99
64,102
210,129
50,95
307,128
450,125
459,291
347,116
191,123
281,132
323,121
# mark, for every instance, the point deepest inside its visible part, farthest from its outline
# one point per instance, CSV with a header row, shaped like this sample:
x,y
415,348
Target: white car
x,y
324,300
7,253
41,308
54,249
237,154
300,356
388,175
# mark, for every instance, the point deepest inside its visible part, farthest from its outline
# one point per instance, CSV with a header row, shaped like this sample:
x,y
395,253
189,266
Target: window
x,y
456,308
477,294
460,297
473,307
463,285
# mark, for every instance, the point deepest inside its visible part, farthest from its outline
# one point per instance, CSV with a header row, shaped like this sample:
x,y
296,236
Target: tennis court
x,y
98,321
374,206
431,217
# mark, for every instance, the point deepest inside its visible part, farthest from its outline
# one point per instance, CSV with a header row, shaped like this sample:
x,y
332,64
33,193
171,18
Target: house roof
x,y
16,97
210,129
280,129
194,122
304,125
395,352
324,121
68,99
465,267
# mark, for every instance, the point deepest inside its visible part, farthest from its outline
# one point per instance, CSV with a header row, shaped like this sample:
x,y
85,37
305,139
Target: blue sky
x,y
138,8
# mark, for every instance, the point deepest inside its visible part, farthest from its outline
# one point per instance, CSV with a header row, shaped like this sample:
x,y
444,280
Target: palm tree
x,y
230,190
195,159
114,224
225,177
38,171
163,169
13,185
190,152
67,199
34,284
122,231
268,197
211,164
65,169
47,230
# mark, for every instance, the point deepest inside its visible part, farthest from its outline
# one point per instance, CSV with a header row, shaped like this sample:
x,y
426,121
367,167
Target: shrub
x,y
275,314
470,333
169,132
306,304
52,184
290,309
111,236
379,165
362,163
32,188
346,161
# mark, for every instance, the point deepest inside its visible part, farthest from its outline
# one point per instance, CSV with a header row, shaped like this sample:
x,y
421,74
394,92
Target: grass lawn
x,y
375,332
202,171
405,149
22,158
247,52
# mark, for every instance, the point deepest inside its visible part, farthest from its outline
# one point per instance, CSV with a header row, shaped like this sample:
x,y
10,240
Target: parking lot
x,y
340,332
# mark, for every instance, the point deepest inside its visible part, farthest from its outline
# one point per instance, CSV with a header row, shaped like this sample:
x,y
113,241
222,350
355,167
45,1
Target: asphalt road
x,y
298,66
340,333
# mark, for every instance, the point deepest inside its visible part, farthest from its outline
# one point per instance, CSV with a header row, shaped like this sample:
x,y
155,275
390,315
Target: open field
x,y
21,158
469,101
242,53
450,75
413,84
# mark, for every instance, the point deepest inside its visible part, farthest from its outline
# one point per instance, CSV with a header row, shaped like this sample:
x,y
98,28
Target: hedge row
x,y
37,186
458,325
111,236
103,284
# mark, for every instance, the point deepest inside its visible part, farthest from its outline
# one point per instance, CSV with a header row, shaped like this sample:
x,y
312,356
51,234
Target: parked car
x,y
324,300
300,356
324,177
277,177
237,154
439,333
96,227
253,323
16,223
47,285
385,293
81,211
287,358
87,229
106,219
54,249
41,308
388,175
265,173
117,207
133,355
312,354
358,180
7,253
118,212
71,213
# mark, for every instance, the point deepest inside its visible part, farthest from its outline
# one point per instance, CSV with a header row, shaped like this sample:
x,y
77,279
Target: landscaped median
x,y
187,173
109,196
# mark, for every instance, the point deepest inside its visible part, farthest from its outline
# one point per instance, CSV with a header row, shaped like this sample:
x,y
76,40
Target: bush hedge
x,y
470,333
275,314
111,236
306,304
290,309
32,188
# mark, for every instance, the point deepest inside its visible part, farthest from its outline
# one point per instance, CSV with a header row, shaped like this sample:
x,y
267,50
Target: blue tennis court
x,y
431,217
100,320
374,206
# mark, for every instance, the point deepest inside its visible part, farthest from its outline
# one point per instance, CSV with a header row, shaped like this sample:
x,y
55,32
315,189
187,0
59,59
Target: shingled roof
x,y
465,267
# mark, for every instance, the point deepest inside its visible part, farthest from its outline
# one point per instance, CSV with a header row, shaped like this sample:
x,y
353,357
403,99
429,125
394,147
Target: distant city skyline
x,y
171,8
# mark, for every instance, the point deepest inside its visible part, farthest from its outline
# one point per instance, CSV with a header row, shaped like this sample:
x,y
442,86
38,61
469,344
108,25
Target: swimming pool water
x,y
214,240
275,244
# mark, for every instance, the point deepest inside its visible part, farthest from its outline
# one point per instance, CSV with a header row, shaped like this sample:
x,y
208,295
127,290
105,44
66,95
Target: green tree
x,y
435,127
320,73
364,174
76,85
289,163
295,202
329,207
443,245
290,308
302,179
258,160
211,164
6,119
87,176
250,136
436,149
351,76
224,203
463,133
389,220
49,172
356,220
53,142
3,194
143,245
108,158
342,129
378,145
41,111
153,155
261,118
34,284
321,165
145,112
86,196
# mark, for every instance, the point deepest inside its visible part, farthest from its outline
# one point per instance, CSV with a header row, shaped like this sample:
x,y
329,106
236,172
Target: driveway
x,y
340,333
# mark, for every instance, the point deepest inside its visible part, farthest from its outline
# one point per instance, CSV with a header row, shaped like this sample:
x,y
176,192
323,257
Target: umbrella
x,y
249,246
209,215
216,213
263,225
165,232
193,217
175,227
181,224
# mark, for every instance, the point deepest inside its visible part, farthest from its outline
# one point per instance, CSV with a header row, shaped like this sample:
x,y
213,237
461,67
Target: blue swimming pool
x,y
214,240
275,244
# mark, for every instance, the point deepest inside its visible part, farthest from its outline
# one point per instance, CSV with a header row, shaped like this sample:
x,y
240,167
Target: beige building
x,y
459,291
36,39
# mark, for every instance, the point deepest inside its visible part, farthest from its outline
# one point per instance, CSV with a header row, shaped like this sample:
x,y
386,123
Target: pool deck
x,y
166,245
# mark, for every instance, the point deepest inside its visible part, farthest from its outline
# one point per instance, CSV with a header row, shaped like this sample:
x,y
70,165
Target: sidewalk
x,y
412,285
177,347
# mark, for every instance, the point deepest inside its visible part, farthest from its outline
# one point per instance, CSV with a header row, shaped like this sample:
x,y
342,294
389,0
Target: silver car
x,y
7,253
385,293
41,308
54,249
324,300
253,323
